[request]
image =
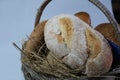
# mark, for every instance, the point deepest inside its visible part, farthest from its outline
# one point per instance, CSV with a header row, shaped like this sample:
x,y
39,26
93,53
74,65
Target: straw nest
x,y
38,63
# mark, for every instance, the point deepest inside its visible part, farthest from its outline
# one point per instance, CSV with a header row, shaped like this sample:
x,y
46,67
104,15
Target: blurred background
x,y
17,22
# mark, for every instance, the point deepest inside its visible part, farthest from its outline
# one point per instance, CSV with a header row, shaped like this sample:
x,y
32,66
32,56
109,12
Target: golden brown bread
x,y
84,16
100,54
36,38
94,44
66,29
108,31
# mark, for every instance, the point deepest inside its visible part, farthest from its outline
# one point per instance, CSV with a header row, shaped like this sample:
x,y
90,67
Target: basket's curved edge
x,y
40,11
30,74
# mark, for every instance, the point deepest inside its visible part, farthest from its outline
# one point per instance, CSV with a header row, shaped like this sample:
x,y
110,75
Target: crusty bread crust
x,y
100,58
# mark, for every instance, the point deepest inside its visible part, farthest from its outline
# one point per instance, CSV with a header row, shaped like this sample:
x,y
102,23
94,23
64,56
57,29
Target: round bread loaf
x,y
66,39
78,45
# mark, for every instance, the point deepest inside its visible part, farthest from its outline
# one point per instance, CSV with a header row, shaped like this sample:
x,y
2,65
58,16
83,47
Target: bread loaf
x,y
108,31
79,46
84,16
36,38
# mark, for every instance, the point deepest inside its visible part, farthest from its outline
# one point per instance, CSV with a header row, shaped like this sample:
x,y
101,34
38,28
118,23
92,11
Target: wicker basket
x,y
32,69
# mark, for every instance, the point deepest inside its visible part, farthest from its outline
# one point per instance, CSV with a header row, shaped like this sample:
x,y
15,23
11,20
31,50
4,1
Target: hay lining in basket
x,y
49,64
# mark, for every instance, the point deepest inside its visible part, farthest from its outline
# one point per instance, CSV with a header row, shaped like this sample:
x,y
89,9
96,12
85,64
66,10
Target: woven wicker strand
x,y
30,73
40,11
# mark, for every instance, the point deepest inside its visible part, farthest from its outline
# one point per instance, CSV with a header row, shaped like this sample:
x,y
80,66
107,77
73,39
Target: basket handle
x,y
97,3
